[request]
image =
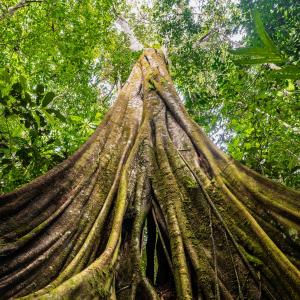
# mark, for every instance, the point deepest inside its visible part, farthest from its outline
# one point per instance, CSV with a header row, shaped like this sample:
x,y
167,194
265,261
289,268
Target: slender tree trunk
x,y
149,208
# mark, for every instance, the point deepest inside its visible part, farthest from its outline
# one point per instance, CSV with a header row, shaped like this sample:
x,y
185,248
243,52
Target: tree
x,y
148,207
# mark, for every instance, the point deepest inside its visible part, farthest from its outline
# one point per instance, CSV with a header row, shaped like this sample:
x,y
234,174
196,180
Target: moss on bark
x,y
221,231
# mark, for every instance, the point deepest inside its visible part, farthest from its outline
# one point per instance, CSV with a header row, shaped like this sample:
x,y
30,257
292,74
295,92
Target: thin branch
x,y
13,9
123,288
205,36
295,130
135,44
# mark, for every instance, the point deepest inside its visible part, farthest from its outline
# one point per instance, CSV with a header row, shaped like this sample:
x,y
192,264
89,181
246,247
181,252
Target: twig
x,y
123,288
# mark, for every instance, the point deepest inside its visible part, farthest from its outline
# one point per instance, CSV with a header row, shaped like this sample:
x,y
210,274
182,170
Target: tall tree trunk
x,y
149,208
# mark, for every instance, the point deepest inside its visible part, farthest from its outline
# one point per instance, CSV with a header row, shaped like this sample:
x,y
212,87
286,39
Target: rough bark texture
x,y
149,208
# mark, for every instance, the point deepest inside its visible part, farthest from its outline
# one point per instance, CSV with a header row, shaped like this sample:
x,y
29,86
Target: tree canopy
x,y
74,52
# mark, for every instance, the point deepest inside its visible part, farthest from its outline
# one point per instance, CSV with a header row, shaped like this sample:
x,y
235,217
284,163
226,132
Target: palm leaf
x,y
287,72
254,61
254,51
262,33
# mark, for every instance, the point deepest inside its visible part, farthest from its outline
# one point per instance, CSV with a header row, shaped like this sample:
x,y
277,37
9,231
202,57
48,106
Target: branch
x,y
205,36
135,44
295,130
13,9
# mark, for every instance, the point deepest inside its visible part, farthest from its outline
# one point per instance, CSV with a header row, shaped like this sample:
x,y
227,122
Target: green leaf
x,y
39,89
6,161
36,118
262,33
18,140
57,114
49,117
27,98
254,51
39,92
4,75
41,118
76,119
48,98
23,81
4,150
248,146
16,89
286,72
259,55
248,131
255,61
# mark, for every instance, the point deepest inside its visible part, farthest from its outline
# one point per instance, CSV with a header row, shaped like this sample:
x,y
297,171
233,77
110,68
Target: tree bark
x,y
149,208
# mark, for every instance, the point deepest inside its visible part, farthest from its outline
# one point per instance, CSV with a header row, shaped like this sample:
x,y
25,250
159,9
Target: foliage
x,y
269,53
250,114
269,137
32,140
73,49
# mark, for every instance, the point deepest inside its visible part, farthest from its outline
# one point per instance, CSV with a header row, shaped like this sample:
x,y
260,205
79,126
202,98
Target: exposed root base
x,y
149,208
